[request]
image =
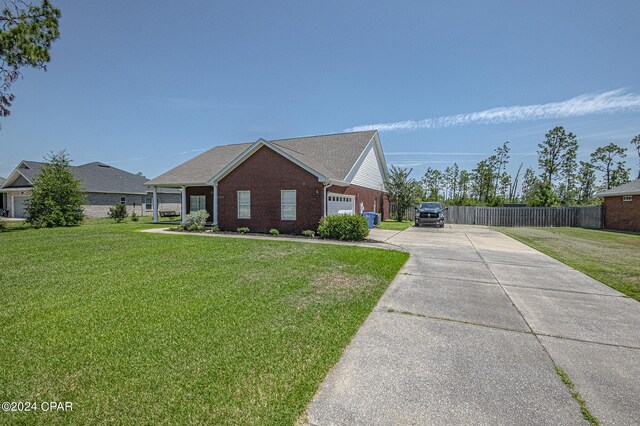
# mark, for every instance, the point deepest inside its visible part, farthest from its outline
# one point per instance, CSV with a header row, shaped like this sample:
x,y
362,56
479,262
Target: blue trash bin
x,y
371,218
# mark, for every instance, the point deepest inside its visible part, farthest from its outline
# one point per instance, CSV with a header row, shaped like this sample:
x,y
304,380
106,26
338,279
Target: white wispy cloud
x,y
587,104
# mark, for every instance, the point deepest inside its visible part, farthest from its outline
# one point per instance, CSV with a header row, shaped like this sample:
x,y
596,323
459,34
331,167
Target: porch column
x,y
215,203
184,205
13,210
155,204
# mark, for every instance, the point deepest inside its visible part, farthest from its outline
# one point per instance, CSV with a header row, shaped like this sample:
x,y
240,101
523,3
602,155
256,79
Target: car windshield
x,y
431,206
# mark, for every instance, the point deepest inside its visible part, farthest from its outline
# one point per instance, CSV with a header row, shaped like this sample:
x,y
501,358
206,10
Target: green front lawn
x,y
394,225
148,328
609,257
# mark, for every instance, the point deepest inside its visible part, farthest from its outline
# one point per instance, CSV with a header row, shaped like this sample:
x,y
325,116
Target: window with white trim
x,y
244,204
123,200
197,203
288,204
627,198
148,202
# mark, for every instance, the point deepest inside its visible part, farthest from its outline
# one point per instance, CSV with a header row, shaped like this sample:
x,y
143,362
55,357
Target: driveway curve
x,y
473,330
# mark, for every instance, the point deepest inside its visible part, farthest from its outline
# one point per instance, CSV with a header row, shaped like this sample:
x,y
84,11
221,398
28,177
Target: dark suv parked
x,y
430,213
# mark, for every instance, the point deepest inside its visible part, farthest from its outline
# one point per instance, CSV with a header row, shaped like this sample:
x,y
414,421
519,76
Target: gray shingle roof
x,y
96,177
2,180
332,156
629,188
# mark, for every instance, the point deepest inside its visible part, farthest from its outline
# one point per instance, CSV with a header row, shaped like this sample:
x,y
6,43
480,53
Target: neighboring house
x,y
287,184
622,207
3,197
104,186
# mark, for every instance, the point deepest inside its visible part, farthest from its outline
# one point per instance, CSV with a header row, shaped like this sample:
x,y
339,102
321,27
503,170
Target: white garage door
x,y
20,206
341,204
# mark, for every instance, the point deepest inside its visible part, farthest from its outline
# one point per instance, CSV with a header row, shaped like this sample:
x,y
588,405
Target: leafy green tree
x,y
402,190
26,35
500,161
433,183
636,142
620,175
607,159
464,185
586,179
118,212
557,153
57,197
484,181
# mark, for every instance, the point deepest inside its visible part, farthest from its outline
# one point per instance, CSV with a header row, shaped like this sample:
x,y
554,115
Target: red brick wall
x,y
201,190
265,174
622,215
366,196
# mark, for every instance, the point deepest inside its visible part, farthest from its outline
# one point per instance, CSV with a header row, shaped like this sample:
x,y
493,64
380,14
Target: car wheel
x,y
417,225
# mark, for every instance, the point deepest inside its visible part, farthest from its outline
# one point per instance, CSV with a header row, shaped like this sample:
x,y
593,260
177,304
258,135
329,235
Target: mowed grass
x,y
394,225
138,328
610,257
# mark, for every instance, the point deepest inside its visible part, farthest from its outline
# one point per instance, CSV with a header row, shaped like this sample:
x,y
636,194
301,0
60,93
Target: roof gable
x,y
330,157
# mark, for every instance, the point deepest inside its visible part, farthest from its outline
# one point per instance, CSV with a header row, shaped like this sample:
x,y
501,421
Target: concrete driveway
x,y
471,332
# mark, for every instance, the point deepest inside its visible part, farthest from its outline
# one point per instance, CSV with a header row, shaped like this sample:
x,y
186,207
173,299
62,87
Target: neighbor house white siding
x,y
368,174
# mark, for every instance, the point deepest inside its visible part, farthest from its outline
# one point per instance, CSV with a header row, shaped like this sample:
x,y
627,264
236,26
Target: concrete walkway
x,y
377,241
471,332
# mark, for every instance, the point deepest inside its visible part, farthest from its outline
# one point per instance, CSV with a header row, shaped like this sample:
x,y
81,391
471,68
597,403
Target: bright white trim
x,y
154,202
243,204
294,204
215,204
183,206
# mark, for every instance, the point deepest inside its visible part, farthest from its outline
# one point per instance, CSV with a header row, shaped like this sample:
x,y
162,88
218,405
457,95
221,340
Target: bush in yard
x,y
56,198
242,230
343,227
308,233
118,212
196,221
134,216
274,232
215,229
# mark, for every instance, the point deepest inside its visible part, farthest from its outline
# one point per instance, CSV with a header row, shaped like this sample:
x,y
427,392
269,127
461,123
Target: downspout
x,y
324,191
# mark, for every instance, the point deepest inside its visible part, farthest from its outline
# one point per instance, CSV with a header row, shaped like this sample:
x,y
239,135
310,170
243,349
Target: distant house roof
x,y
2,180
330,156
629,188
94,177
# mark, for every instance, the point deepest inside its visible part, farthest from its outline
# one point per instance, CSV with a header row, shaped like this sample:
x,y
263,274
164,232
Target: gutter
x,y
324,192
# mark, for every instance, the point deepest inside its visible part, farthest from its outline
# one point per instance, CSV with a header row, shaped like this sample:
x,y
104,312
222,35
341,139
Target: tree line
x,y
559,180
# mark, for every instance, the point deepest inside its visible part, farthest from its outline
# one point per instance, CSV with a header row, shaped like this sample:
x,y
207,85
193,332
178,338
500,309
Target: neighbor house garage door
x,y
339,203
20,206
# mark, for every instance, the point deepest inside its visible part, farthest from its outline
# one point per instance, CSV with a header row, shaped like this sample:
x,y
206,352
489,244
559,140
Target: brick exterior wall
x,y
367,197
265,174
98,204
207,191
622,215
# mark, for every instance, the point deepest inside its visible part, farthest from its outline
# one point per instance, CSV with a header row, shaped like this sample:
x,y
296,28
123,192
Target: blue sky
x,y
146,85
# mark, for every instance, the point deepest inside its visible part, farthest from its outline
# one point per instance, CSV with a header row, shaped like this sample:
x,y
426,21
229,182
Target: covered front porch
x,y
193,198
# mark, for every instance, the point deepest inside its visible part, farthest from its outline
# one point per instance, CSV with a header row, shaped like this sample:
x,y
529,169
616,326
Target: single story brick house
x,y
104,187
287,184
622,207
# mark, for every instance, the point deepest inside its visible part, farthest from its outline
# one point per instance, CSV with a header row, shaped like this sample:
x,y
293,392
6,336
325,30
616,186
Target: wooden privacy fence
x,y
583,217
